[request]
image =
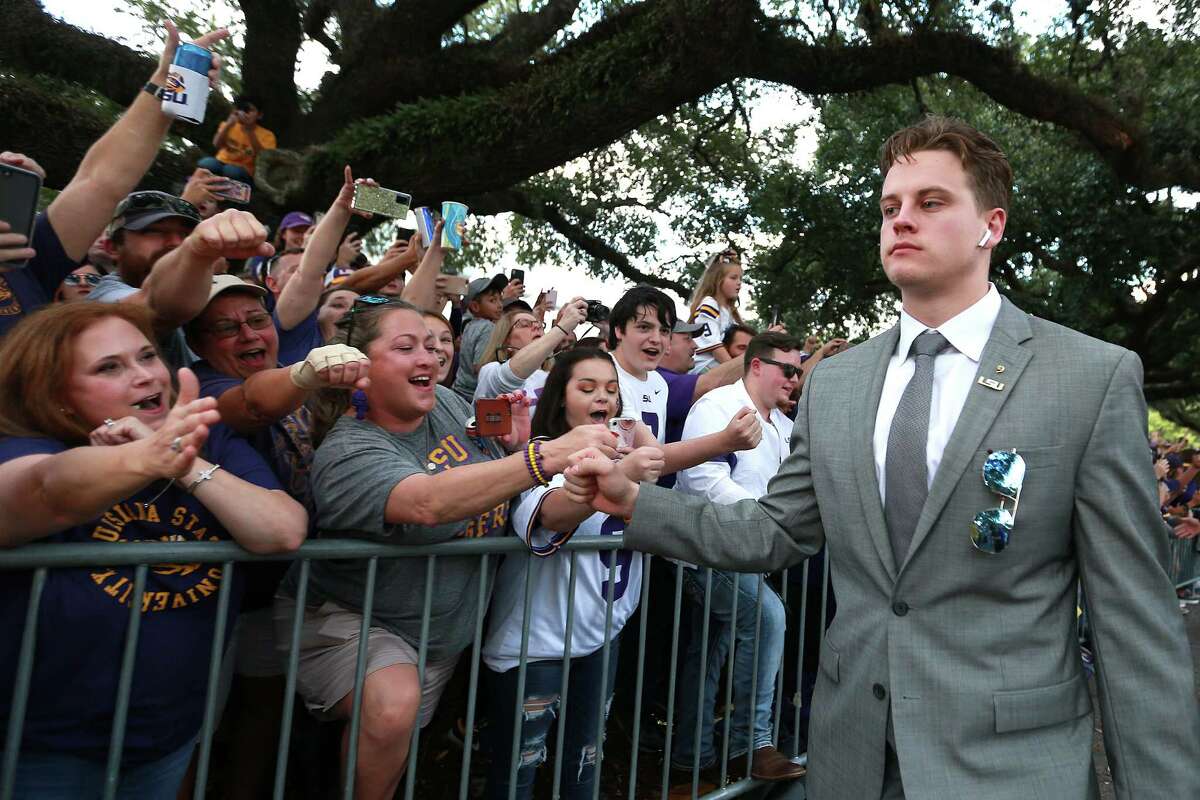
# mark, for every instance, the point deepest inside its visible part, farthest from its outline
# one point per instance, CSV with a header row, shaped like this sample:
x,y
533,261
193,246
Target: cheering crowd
x,y
172,370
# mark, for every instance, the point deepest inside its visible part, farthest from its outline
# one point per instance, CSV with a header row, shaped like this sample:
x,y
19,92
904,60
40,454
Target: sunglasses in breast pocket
x,y
1003,475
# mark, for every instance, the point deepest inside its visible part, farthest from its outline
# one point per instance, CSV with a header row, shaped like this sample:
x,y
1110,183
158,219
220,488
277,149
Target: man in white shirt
x,y
951,668
772,367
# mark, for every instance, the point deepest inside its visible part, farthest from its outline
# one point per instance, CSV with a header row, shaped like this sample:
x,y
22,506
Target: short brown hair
x,y
985,164
37,356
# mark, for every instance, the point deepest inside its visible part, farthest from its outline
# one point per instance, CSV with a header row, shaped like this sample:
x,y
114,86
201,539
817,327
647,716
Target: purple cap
x,y
296,219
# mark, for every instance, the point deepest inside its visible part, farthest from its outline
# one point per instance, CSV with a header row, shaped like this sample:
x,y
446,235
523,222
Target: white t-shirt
x,y
717,319
550,576
535,383
645,400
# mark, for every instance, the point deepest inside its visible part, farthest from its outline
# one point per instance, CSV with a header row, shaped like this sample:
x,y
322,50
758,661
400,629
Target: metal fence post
x,y
16,716
124,684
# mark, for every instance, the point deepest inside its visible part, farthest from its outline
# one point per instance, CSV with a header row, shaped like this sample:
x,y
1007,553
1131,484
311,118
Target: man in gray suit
x,y
951,669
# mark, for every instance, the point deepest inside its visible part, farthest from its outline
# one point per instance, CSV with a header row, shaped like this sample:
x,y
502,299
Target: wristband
x,y
561,328
533,458
205,475
153,89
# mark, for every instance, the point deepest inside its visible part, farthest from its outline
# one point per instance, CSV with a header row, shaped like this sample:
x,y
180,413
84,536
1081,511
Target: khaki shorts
x,y
329,654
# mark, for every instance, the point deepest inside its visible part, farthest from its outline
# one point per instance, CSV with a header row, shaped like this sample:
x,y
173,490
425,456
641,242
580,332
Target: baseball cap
x,y
337,275
141,209
295,219
478,286
225,283
693,328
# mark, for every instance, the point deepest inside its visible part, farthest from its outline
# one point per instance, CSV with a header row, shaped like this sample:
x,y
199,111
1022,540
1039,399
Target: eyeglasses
x,y
529,323
789,370
1003,473
76,280
361,304
228,328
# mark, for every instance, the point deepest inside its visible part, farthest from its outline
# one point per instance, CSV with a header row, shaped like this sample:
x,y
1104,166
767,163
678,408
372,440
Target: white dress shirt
x,y
740,475
953,375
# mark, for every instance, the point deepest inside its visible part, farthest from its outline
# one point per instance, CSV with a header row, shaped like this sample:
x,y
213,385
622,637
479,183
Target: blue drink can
x,y
186,94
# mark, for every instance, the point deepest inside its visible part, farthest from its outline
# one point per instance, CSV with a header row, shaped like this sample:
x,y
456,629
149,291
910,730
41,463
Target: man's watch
x,y
153,89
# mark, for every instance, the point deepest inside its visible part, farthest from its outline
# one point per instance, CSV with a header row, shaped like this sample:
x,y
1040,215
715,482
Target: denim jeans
x,y
62,776
695,711
226,170
543,682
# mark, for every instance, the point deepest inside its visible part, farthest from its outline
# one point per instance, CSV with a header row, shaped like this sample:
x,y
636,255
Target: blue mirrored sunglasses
x,y
1003,474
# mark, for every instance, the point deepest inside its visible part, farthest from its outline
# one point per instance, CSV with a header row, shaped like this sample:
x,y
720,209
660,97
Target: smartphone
x,y
19,190
385,202
774,316
551,299
493,417
625,428
518,275
234,191
456,284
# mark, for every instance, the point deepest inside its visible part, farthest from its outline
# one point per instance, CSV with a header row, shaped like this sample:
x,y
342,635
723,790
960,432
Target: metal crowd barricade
x,y
141,555
1184,563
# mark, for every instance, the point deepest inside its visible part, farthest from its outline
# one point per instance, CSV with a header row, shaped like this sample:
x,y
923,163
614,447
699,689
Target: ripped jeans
x,y
543,683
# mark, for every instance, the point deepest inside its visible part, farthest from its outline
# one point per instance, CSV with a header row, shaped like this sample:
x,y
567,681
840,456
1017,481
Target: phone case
x,y
493,417
19,191
385,202
234,191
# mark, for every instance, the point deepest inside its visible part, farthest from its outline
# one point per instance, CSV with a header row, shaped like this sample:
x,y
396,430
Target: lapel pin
x,y
999,369
991,384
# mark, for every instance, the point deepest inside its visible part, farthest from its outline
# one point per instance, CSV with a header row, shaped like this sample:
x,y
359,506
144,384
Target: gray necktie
x,y
905,477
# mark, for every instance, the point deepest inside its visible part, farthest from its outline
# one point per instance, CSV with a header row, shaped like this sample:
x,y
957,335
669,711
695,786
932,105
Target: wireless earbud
x,y
983,240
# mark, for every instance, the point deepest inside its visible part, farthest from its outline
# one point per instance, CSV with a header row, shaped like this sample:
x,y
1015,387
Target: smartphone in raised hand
x,y
19,189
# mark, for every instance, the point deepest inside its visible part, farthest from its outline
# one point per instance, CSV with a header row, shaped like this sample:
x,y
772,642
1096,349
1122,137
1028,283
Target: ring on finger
x,y
177,444
110,422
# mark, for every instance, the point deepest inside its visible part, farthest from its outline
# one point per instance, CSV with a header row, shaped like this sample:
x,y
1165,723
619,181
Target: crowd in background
x,y
172,370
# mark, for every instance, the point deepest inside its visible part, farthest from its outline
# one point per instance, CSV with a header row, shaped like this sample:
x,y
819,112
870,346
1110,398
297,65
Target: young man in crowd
x,y
238,141
737,339
484,306
951,668
110,169
772,366
165,257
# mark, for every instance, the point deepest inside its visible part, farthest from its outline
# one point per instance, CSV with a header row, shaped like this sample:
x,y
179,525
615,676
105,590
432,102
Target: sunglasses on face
x,y
79,280
789,370
228,328
1003,474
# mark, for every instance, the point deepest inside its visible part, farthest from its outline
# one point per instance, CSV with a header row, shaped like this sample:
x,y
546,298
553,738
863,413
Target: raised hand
x,y
743,431
335,365
232,234
170,451
349,249
206,41
13,246
121,431
519,403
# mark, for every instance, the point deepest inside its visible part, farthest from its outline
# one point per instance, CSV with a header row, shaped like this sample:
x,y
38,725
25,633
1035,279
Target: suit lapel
x,y
865,407
979,412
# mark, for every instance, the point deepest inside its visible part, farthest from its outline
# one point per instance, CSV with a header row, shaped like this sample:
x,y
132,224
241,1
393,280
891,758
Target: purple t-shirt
x,y
84,614
681,389
29,288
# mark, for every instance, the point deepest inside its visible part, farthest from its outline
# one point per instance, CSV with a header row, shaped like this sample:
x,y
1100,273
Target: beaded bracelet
x,y
533,458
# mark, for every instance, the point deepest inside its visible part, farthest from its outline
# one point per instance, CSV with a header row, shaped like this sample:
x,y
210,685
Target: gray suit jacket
x,y
975,654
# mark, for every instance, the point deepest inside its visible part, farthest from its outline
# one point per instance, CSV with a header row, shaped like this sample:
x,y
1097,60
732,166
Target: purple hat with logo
x,y
296,219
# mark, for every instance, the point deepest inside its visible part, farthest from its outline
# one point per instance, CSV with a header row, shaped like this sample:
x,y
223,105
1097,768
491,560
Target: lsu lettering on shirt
x,y
645,400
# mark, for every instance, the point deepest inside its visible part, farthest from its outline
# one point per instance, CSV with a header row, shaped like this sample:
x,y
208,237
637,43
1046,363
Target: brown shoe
x,y
771,765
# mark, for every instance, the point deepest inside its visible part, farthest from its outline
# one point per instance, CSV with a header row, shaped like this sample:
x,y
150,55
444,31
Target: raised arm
x,y
421,289
268,396
116,162
399,258
743,432
302,293
176,289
